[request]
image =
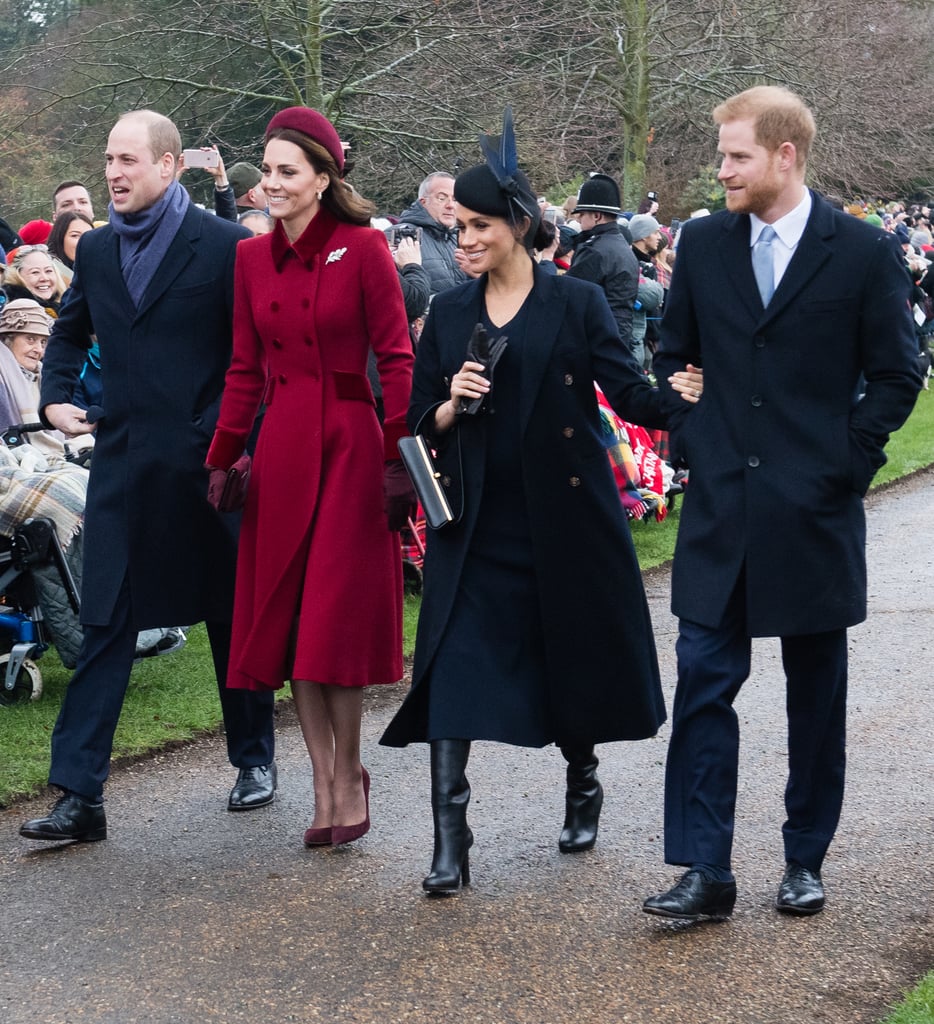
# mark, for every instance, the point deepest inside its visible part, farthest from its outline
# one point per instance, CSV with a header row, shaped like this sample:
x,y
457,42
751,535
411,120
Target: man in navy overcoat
x,y
156,287
801,391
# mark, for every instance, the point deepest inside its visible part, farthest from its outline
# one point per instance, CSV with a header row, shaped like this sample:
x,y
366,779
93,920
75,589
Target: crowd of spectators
x,y
37,261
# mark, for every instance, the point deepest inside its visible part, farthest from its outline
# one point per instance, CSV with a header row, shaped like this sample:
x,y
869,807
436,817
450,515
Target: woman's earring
x,y
320,194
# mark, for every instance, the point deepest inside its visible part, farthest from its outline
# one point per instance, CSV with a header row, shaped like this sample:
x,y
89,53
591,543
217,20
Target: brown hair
x,y
778,115
67,184
339,198
56,239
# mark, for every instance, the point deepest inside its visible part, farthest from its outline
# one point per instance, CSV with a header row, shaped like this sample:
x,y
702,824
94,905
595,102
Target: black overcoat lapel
x,y
179,254
112,272
813,251
546,313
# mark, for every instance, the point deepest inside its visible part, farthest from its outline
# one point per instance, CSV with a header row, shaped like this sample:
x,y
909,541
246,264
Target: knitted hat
x,y
316,126
35,232
903,234
598,194
243,177
642,225
25,316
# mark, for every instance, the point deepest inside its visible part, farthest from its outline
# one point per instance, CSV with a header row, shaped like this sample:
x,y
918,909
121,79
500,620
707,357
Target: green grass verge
x,y
918,1006
173,698
912,448
170,698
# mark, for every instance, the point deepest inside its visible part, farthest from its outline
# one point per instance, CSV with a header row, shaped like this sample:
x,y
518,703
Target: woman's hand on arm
x,y
689,383
468,383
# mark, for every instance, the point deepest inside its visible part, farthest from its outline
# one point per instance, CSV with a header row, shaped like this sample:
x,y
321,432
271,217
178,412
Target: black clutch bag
x,y
420,465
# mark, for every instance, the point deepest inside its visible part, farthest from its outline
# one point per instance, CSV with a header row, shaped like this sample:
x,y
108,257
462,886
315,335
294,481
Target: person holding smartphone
x,y
209,159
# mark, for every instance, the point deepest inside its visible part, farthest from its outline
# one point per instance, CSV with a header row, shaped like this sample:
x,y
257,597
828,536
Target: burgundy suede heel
x,y
317,836
341,834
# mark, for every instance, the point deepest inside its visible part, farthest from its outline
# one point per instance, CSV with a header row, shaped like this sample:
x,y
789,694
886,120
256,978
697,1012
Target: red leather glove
x,y
399,500
227,487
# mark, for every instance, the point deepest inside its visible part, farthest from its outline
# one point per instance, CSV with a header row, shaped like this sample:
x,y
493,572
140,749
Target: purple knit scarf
x,y
145,237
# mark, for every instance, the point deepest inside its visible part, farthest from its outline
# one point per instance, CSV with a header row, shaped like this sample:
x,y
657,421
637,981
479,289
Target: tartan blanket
x,y
59,494
637,467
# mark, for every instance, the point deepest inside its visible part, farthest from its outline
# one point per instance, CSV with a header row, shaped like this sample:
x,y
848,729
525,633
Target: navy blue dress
x,y
487,678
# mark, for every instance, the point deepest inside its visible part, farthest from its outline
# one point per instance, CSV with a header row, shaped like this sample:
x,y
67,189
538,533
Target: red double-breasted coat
x,y
319,587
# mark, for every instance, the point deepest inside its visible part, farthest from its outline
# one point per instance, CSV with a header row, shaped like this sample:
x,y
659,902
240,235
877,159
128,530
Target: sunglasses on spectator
x,y
25,250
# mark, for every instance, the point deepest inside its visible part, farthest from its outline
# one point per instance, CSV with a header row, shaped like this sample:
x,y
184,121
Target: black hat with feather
x,y
498,188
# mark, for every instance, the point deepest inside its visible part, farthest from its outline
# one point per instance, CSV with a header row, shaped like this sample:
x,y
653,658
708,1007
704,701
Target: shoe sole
x,y
784,908
583,848
84,837
253,806
723,915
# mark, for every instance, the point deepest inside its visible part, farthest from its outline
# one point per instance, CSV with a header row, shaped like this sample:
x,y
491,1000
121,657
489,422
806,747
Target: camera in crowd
x,y
399,231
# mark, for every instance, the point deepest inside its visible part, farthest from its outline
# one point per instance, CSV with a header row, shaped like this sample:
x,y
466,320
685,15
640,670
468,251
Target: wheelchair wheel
x,y
28,685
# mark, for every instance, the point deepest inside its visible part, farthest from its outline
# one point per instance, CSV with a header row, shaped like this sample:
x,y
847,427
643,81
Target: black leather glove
x,y
481,350
399,500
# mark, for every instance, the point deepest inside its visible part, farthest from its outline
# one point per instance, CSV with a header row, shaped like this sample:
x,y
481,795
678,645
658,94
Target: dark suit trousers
x,y
83,737
701,774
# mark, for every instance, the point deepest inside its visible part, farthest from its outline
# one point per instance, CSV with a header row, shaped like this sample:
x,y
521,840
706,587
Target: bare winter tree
x,y
219,69
624,86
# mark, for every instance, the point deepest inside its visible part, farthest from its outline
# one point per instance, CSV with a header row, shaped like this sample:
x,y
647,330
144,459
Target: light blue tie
x,y
762,264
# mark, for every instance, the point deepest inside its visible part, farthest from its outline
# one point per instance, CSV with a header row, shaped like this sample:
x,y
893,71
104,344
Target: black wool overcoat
x,y
799,400
602,675
163,368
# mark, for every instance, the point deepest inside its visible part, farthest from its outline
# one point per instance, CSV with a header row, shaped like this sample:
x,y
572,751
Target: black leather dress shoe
x,y
71,818
801,891
255,787
694,898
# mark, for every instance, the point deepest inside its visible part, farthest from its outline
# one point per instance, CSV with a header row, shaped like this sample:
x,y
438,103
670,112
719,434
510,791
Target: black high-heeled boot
x,y
450,794
584,800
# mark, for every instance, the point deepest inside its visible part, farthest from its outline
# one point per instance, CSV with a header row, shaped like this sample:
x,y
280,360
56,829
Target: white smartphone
x,y
201,157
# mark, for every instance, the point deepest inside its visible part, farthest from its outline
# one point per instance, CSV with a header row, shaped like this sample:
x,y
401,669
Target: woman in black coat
x,y
534,626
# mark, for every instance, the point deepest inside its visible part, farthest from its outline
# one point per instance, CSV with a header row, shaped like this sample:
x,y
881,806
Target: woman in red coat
x,y
319,577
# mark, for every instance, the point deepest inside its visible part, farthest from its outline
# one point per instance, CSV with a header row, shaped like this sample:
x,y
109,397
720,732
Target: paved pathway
x,y
190,914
